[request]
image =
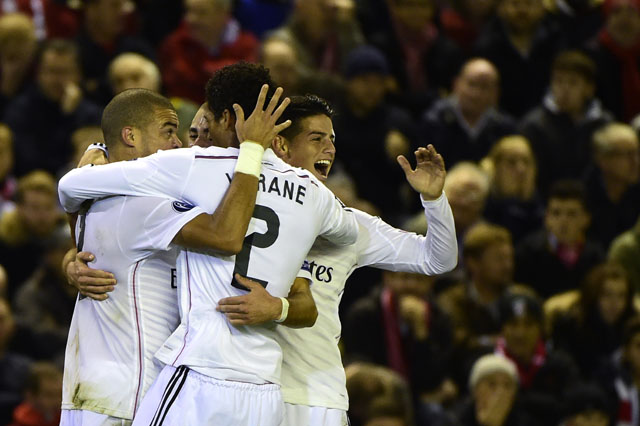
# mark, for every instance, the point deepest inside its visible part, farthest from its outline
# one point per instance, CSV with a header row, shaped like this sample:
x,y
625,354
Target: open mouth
x,y
322,167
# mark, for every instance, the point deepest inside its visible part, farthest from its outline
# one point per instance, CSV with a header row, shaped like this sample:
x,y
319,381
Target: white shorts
x,y
89,418
180,397
304,415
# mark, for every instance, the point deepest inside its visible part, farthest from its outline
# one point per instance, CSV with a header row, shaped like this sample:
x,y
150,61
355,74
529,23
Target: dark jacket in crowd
x,y
562,146
42,132
522,78
443,126
539,267
520,217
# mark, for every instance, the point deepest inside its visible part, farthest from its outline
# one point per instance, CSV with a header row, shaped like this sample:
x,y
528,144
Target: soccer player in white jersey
x,y
218,373
109,359
313,378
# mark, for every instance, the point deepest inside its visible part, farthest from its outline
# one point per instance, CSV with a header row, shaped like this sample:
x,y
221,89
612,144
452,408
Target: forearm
x,y
68,258
225,229
441,245
302,307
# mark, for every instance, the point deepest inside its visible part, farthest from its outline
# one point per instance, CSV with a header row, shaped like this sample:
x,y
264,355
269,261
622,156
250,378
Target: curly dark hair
x,y
302,107
239,83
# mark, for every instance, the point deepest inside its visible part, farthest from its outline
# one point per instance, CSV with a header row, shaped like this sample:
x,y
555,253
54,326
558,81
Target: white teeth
x,y
324,162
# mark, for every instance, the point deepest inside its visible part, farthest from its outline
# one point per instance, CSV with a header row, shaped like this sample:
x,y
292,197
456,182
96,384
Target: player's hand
x,y
256,307
428,176
92,283
93,156
261,126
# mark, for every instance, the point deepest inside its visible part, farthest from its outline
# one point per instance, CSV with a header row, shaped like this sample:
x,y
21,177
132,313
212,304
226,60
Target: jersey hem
x,y
99,410
314,402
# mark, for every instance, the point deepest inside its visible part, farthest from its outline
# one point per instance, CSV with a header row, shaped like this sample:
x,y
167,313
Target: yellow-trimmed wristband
x,y
285,310
250,158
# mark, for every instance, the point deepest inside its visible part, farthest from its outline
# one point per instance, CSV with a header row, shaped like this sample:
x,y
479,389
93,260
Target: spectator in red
x,y
207,40
617,50
41,406
52,18
462,20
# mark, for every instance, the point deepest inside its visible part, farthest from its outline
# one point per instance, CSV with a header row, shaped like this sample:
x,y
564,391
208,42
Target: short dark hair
x,y
300,108
576,62
60,47
133,107
240,84
568,189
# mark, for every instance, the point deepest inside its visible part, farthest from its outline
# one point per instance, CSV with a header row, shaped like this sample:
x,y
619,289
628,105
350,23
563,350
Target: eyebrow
x,y
170,123
316,132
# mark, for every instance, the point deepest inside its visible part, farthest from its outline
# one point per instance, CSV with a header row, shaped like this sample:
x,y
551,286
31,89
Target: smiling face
x,y
313,147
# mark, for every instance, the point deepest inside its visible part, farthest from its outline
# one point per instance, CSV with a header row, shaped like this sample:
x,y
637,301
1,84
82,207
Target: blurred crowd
x,y
534,105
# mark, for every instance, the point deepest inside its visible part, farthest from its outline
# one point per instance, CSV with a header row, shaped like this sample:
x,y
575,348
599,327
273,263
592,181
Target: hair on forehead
x,y
302,107
133,107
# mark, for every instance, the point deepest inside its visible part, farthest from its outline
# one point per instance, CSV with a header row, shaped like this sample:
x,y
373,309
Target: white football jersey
x,y
109,361
312,372
292,209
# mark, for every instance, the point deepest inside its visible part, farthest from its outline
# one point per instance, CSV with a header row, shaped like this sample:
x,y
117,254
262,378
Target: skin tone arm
x,y
258,306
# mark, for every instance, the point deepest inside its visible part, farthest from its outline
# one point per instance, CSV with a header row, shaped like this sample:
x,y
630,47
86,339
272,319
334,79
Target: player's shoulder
x,y
272,164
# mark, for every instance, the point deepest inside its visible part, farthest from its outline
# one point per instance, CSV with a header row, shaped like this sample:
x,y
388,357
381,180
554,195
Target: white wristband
x,y
250,159
285,310
98,145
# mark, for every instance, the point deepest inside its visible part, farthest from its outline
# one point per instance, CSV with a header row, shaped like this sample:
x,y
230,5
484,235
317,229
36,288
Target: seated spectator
x,y
367,384
207,39
43,118
580,19
561,129
620,378
544,374
373,132
386,412
24,230
18,45
41,406
14,368
321,32
625,250
513,201
133,71
614,184
586,404
80,139
4,284
617,52
423,61
399,327
7,181
521,43
493,383
101,39
463,20
44,303
287,72
465,125
596,320
52,18
557,257
472,304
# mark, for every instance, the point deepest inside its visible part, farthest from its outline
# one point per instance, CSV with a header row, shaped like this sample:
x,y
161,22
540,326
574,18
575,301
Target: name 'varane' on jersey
x,y
292,209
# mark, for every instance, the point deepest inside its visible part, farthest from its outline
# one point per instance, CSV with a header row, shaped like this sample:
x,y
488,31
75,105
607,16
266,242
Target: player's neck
x,y
122,154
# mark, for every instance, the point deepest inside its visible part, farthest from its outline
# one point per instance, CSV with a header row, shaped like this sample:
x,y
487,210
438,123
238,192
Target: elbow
x,y
313,316
224,245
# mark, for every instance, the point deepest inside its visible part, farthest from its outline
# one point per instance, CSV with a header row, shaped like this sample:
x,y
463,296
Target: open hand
x,y
92,283
428,176
256,307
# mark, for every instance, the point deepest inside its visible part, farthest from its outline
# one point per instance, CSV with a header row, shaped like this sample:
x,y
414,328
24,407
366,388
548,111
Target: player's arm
x,y
297,310
225,229
339,224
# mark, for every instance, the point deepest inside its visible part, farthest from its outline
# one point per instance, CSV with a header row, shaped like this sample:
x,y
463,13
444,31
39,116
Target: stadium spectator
x,y
18,45
24,230
41,406
625,250
557,257
463,20
208,39
43,118
466,124
133,71
372,133
422,60
521,43
585,404
561,128
398,326
513,200
7,181
596,319
580,20
614,184
102,38
4,282
617,52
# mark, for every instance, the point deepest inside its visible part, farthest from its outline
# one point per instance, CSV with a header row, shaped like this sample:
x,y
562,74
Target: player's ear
x,y
127,134
228,120
280,146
